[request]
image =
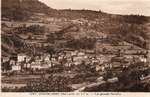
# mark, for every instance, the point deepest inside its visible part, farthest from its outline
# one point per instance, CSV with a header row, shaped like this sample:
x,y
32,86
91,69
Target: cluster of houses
x,y
68,58
43,61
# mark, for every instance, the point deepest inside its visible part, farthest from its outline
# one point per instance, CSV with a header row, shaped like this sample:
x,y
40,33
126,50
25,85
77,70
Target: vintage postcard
x,y
75,47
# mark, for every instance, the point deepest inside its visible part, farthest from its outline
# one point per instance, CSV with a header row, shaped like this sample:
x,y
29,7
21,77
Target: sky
x,y
141,7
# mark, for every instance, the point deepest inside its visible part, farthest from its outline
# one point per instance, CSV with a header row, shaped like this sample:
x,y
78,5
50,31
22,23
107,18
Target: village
x,y
98,60
102,56
46,54
70,63
74,53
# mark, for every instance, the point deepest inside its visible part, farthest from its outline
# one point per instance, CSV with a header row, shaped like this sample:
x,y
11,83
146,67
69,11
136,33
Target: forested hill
x,y
22,9
134,29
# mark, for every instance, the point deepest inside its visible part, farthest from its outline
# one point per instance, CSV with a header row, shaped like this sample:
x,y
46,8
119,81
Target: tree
x,y
51,84
50,50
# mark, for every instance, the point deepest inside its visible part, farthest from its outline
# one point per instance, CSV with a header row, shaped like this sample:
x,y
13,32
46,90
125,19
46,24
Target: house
x,y
100,68
47,58
39,65
38,58
81,54
118,59
78,58
39,37
21,57
74,53
90,52
61,57
5,59
143,59
77,21
49,63
77,63
68,64
116,64
16,68
12,62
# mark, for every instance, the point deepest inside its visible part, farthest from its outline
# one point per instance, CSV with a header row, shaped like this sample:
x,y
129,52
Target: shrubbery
x,y
51,84
83,43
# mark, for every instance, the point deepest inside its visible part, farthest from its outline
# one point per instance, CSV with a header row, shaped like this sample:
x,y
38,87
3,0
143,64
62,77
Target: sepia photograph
x,y
75,46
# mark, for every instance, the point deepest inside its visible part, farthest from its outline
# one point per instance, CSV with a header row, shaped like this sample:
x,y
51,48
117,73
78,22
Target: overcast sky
x,y
141,7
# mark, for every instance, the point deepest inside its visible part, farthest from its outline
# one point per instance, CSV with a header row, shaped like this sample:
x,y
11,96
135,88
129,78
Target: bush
x,y
52,84
83,43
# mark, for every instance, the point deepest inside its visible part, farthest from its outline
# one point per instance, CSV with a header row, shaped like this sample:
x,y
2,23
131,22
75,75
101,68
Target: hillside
x,y
133,29
22,9
13,44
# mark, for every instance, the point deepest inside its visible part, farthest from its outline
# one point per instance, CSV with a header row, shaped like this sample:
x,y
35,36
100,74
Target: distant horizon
x,y
120,7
